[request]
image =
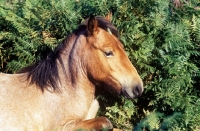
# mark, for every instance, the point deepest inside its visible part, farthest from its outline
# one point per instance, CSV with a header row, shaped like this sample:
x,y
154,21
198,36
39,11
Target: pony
x,y
58,93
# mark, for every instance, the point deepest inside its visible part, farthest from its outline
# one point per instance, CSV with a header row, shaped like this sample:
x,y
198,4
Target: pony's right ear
x,y
109,16
92,25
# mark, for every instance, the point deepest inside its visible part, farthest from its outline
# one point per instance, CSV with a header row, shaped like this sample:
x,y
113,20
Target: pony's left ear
x,y
92,25
109,16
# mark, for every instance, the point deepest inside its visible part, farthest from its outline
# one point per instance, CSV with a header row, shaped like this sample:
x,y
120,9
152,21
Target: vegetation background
x,y
161,37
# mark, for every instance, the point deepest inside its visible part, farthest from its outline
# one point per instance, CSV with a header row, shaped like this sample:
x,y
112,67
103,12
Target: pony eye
x,y
108,53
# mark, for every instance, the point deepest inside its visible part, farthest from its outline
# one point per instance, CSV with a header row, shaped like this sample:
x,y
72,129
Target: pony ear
x,y
109,16
92,25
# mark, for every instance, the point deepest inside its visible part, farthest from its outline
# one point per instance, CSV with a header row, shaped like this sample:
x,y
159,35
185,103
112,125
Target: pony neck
x,y
75,73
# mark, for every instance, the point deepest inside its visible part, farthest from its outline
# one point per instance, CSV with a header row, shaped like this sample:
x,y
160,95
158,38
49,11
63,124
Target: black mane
x,y
44,72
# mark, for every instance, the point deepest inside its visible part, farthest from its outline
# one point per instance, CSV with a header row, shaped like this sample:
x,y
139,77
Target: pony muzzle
x,y
132,92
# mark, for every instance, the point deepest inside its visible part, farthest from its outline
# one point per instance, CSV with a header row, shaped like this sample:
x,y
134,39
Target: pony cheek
x,y
98,76
113,84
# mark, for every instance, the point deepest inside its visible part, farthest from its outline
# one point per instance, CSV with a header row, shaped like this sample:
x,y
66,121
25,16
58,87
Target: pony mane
x,y
44,73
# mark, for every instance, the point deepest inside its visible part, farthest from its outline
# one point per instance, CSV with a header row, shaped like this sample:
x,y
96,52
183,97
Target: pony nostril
x,y
137,91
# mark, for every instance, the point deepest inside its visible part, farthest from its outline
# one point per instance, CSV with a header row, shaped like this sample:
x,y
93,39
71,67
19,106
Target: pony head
x,y
106,61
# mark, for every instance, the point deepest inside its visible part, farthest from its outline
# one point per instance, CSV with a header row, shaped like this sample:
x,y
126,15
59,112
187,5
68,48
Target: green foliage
x,y
162,41
120,114
30,28
159,122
